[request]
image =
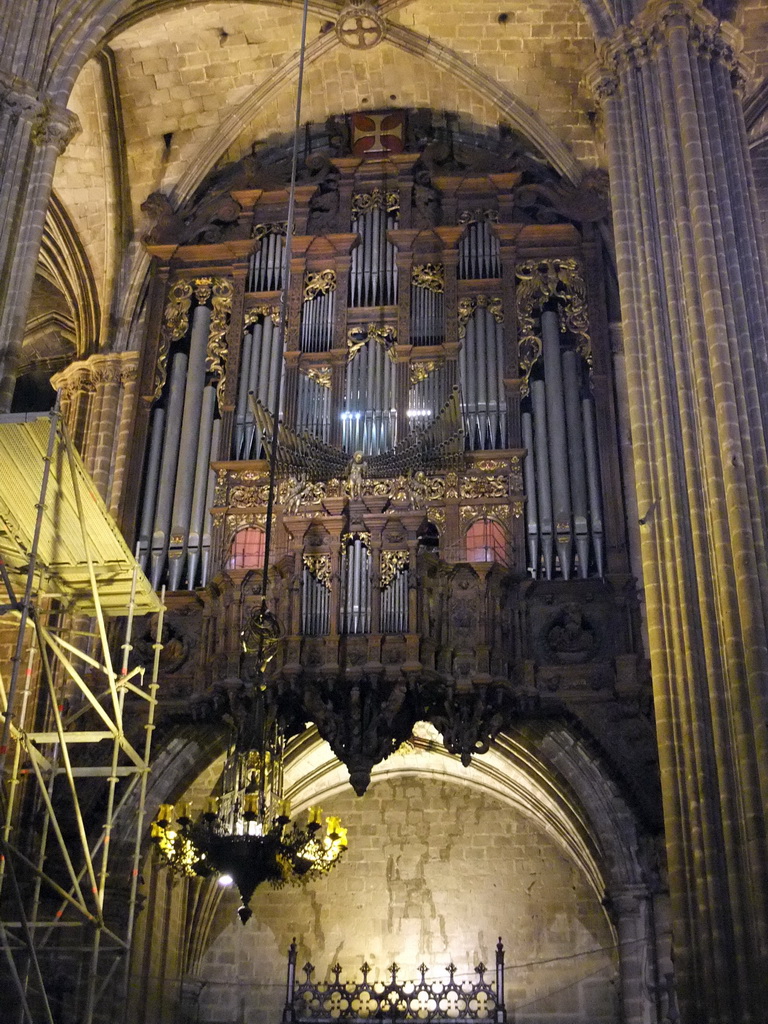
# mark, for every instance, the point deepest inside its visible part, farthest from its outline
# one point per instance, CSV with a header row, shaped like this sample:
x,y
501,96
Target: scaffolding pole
x,y
73,556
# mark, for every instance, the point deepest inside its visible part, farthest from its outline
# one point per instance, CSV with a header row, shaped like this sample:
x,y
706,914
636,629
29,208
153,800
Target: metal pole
x,y
149,728
24,605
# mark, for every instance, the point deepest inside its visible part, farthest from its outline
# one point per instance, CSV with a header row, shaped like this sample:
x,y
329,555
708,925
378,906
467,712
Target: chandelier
x,y
246,833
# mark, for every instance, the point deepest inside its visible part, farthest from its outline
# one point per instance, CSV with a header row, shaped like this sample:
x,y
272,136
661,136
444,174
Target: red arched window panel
x,y
486,542
247,549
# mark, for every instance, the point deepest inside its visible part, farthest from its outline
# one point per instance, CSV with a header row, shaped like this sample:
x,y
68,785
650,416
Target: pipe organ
x,y
479,251
471,394
373,267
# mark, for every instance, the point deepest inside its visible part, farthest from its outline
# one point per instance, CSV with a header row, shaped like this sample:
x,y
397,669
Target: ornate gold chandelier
x,y
246,832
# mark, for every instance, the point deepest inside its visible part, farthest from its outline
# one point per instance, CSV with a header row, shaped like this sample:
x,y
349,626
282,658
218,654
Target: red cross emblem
x,y
373,134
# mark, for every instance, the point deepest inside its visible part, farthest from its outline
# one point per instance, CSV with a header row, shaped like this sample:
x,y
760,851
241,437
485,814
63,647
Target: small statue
x,y
417,489
355,476
294,492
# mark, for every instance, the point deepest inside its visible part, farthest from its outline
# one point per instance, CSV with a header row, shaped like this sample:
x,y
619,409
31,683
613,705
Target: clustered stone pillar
x,y
98,399
695,319
35,131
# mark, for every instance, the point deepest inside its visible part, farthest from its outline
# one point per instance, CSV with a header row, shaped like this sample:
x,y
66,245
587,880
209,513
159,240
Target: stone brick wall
x,y
434,872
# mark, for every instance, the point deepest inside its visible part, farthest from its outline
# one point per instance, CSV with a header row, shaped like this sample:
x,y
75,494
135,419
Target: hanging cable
x,y
287,253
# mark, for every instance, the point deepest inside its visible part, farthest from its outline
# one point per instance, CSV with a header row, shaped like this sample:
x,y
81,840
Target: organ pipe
x,y
479,253
200,490
162,519
150,485
532,505
373,266
205,561
266,268
368,419
576,458
481,364
593,481
241,413
190,428
543,489
558,445
317,322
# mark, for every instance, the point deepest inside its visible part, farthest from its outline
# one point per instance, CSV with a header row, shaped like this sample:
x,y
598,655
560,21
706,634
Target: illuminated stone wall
x,y
435,872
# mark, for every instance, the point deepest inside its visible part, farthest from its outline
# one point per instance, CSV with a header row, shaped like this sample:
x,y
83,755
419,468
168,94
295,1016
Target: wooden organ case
x,y
449,540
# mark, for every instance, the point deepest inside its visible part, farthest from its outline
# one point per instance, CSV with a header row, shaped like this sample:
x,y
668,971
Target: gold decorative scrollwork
x,y
430,276
360,335
467,307
478,214
320,567
319,283
518,507
378,199
240,519
538,282
498,512
361,535
437,516
262,309
221,306
260,231
421,370
175,325
321,374
392,563
247,497
484,487
515,473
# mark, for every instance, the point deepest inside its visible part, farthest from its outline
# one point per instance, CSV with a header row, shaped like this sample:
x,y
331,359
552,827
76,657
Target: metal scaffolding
x,y
70,774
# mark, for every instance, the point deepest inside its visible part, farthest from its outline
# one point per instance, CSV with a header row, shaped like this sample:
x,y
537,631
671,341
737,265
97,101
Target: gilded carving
x,y
478,214
378,199
236,521
319,283
421,370
260,231
498,512
516,473
221,307
358,337
538,282
262,309
175,325
320,567
392,563
430,276
468,306
321,374
518,507
484,487
437,516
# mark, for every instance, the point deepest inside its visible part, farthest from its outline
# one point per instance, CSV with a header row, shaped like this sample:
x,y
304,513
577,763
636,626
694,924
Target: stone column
x,y
108,380
630,910
35,132
693,295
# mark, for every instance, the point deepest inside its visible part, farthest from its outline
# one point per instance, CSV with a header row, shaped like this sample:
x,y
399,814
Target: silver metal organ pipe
x,y
544,492
593,480
354,265
241,415
150,485
275,369
205,557
469,383
576,458
168,463
366,257
481,349
558,444
190,429
531,504
502,397
375,254
200,489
